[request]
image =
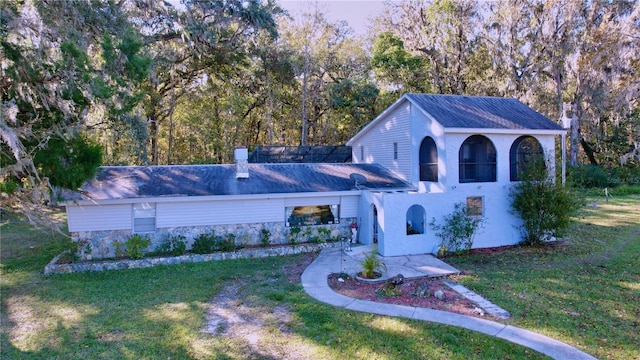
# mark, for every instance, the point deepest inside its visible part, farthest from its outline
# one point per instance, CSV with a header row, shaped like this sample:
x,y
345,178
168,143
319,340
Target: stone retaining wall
x,y
54,268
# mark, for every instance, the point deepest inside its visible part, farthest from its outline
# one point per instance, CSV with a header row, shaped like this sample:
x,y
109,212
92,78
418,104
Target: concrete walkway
x,y
314,281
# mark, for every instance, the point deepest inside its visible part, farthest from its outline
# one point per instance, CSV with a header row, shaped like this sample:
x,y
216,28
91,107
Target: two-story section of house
x,y
452,149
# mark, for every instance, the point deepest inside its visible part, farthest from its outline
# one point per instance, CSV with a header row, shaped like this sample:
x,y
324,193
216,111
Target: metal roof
x,y
481,112
127,182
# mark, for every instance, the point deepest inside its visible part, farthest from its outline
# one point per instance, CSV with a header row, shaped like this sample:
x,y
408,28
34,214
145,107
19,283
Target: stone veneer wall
x,y
54,268
101,244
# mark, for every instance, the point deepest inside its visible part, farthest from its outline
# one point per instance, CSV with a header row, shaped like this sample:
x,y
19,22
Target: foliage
x,y
204,244
294,235
324,234
587,176
174,246
265,237
135,246
389,290
54,79
544,206
457,229
68,163
372,265
226,243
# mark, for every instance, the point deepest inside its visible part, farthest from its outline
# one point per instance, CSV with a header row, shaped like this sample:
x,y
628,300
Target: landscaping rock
x,y
439,295
422,291
397,280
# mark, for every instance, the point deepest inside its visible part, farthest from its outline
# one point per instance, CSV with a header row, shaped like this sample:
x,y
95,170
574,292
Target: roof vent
x,y
241,156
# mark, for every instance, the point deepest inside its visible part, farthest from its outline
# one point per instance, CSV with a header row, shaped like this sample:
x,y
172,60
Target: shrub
x,y
545,207
135,246
226,243
324,234
294,233
587,176
204,244
265,237
371,265
458,229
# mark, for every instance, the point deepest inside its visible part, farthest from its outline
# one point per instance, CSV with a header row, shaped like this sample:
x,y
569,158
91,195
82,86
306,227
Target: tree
x,y
395,67
445,33
201,41
62,63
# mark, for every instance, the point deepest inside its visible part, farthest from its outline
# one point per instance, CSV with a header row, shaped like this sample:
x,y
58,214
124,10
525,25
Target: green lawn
x,y
585,294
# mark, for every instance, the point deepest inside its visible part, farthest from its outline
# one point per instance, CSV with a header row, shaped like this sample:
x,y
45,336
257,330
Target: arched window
x,y
428,160
477,160
525,151
415,220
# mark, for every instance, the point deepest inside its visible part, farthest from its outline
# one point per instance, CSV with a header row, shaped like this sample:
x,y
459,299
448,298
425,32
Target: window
x,y
477,160
474,206
395,151
144,217
312,215
415,220
428,160
525,151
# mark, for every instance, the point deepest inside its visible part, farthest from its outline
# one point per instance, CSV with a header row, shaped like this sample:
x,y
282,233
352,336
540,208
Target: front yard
x,y
586,293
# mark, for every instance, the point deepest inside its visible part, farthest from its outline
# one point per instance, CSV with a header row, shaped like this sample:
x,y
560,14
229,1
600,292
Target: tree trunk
x,y
153,124
574,136
304,133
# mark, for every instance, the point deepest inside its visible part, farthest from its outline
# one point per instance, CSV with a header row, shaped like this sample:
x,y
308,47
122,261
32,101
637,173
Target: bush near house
x,y
545,206
457,229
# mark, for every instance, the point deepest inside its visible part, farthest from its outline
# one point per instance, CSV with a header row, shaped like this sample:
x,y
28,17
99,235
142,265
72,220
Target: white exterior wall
x,y
222,212
502,143
99,218
378,142
421,127
501,227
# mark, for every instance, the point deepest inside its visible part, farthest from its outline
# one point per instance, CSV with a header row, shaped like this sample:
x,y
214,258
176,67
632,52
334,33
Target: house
x,y
452,149
242,199
410,165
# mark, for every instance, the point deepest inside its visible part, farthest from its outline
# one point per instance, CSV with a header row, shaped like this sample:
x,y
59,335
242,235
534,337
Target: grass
x,y
159,313
586,293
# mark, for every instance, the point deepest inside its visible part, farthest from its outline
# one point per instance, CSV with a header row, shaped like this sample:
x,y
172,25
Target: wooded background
x,y
140,82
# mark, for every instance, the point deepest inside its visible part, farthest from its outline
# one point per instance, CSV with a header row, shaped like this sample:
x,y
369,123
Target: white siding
x,y
99,217
308,201
378,142
219,212
349,206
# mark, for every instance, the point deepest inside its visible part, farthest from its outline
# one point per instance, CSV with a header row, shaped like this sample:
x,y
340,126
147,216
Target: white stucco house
x,y
412,163
452,149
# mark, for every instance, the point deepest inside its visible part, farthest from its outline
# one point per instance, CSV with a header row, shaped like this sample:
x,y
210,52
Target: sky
x,y
355,12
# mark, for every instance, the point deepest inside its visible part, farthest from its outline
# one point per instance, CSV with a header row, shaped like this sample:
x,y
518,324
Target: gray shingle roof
x,y
126,182
483,112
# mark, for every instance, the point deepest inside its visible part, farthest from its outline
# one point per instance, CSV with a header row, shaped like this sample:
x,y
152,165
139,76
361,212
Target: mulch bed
x,y
453,301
